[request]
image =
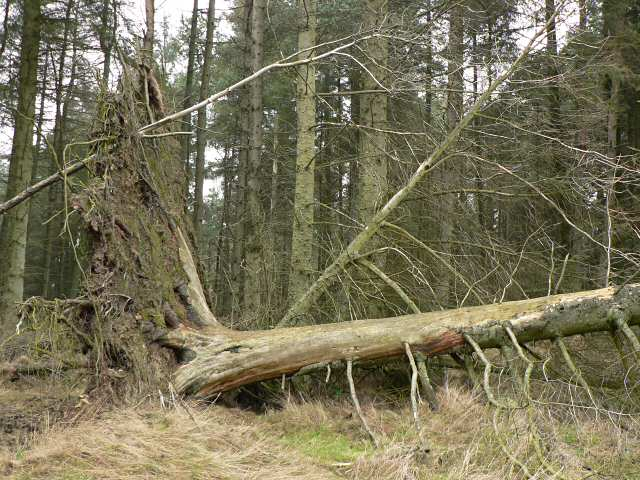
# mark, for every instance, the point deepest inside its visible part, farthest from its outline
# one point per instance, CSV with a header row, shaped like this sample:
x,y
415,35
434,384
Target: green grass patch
x,y
569,435
325,445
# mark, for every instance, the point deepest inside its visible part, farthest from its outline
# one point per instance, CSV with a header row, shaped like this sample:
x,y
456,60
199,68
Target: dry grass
x,y
324,439
151,442
461,440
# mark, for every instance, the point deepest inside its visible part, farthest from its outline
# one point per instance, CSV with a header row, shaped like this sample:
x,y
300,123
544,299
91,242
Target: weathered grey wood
x,y
225,359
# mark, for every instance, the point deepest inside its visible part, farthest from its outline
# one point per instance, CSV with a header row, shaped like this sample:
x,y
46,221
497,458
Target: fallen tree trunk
x,y
226,359
144,293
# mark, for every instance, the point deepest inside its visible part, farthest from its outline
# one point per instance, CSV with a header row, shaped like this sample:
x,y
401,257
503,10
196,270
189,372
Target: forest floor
x,y
311,436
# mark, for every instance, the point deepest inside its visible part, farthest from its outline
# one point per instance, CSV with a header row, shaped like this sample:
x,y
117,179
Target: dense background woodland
x,y
538,195
279,180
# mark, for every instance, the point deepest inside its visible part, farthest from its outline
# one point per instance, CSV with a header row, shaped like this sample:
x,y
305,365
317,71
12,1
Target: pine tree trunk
x,y
254,228
187,100
201,135
242,195
35,255
372,160
13,236
373,166
5,31
107,34
302,266
54,241
448,173
582,14
149,33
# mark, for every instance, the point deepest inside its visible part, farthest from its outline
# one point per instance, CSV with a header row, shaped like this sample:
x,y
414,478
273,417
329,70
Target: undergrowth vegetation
x,y
467,438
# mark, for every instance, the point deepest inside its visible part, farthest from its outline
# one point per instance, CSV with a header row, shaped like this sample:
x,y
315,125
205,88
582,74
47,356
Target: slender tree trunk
x,y
201,134
281,196
5,25
425,223
552,53
223,254
54,247
354,113
255,225
35,253
238,273
613,13
449,172
68,265
373,182
558,169
107,35
38,126
13,237
327,189
372,165
187,100
428,91
149,35
302,267
582,14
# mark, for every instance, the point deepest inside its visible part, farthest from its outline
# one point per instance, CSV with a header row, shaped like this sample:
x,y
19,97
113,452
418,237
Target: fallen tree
x,y
223,359
144,300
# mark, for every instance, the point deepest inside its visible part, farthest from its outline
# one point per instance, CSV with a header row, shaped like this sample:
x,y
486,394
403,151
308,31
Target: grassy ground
x,y
324,439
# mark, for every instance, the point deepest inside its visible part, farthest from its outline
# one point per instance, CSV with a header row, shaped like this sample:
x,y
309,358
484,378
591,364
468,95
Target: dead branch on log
x,y
526,382
487,373
574,370
356,403
619,321
425,382
414,388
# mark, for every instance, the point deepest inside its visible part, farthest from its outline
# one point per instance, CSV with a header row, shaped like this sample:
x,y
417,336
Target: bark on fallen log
x,y
225,359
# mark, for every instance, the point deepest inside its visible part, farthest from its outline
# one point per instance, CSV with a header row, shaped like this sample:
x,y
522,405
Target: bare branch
x,y
302,304
356,403
42,184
